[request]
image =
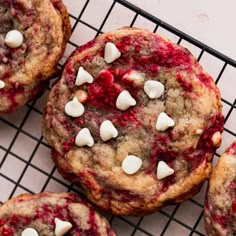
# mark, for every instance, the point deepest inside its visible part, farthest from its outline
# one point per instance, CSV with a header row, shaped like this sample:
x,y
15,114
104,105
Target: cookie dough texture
x,y
25,70
220,203
40,210
191,99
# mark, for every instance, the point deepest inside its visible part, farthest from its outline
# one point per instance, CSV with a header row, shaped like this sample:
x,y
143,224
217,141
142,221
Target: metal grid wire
x,y
25,165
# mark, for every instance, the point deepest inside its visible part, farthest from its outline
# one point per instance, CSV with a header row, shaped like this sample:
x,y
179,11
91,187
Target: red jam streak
x,y
93,230
194,159
104,92
124,119
70,69
7,232
69,75
169,56
233,207
186,86
167,182
127,196
205,79
232,149
205,143
68,144
85,47
2,222
220,219
47,214
16,220
232,190
160,152
125,43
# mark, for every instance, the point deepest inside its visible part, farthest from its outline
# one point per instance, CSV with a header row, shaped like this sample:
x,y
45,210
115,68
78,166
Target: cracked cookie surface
x,y
190,99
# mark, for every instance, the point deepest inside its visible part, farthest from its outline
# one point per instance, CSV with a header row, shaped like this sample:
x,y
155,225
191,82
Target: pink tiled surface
x,y
25,165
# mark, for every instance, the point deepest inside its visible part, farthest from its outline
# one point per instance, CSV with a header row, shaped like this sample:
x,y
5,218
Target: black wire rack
x,y
25,165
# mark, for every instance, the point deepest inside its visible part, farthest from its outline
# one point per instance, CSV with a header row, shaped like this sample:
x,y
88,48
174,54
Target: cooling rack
x,y
25,165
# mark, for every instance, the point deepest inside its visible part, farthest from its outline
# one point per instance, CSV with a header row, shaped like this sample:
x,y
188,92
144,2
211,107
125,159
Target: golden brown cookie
x,y
135,120
220,203
33,36
49,214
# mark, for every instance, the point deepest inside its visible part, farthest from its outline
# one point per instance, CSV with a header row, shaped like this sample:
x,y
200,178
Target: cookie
x,y
220,202
33,37
49,214
135,120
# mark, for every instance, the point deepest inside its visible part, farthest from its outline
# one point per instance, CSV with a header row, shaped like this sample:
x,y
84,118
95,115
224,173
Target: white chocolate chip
x,y
74,108
164,122
62,227
14,39
81,95
125,101
216,139
108,131
5,60
134,76
131,164
84,138
2,84
111,52
83,77
163,170
29,232
153,89
199,131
